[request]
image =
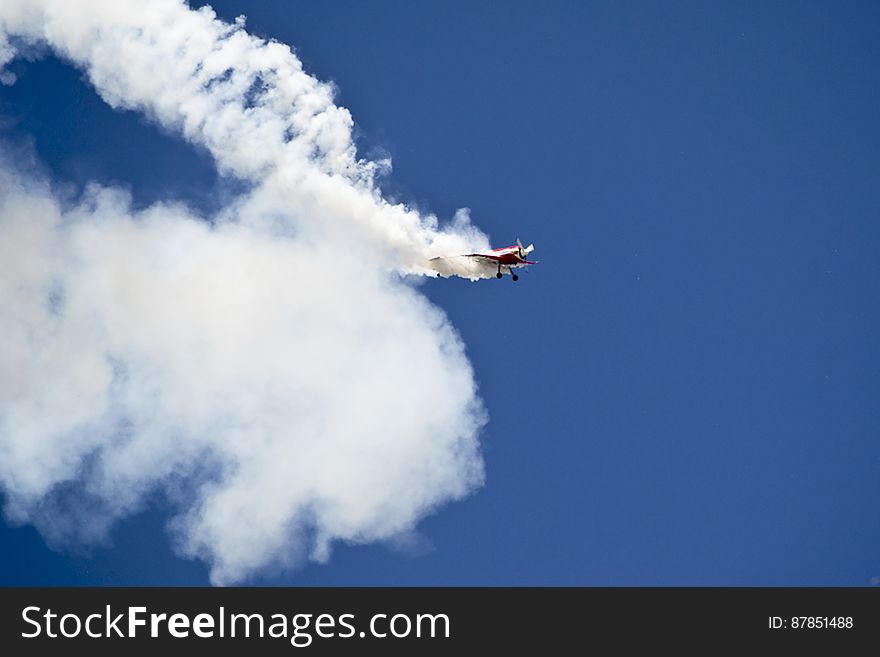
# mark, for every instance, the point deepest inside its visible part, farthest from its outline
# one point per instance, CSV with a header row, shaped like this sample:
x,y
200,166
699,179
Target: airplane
x,y
484,263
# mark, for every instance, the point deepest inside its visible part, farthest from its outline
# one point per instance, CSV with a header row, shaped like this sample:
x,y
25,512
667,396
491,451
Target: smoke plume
x,y
270,372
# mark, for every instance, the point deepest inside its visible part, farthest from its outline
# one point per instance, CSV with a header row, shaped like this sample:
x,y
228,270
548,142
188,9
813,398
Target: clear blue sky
x,y
686,390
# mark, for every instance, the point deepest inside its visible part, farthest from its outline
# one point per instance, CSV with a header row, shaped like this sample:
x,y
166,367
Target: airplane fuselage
x,y
508,256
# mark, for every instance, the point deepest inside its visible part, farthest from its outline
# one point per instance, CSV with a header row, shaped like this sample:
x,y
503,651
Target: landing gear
x,y
509,271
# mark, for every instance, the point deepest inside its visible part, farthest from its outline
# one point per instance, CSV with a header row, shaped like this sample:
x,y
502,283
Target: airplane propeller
x,y
524,251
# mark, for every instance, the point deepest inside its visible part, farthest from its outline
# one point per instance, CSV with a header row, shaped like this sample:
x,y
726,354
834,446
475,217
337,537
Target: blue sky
x,y
685,390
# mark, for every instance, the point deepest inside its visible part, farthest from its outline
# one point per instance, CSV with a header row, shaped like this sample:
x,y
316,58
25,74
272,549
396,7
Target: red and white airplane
x,y
485,264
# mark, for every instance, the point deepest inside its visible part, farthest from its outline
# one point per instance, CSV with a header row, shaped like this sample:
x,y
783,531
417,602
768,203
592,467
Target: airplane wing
x,y
473,266
479,256
482,256
494,259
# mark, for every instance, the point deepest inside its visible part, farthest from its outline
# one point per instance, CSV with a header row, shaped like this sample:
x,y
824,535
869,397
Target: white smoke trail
x,y
247,101
267,373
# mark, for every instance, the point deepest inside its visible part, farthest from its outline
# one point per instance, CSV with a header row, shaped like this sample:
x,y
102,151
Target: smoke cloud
x,y
270,372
